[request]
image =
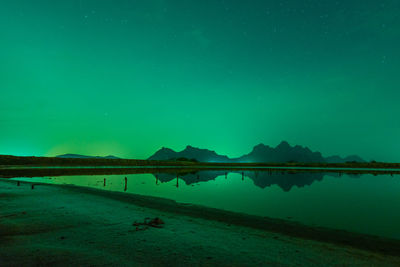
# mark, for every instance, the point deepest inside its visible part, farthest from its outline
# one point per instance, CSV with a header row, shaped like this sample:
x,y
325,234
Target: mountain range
x,y
261,153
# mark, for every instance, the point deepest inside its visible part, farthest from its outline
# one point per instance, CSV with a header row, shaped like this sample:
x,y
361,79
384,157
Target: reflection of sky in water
x,y
366,204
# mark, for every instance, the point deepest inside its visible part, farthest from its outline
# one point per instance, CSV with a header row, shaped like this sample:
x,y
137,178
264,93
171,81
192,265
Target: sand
x,y
66,225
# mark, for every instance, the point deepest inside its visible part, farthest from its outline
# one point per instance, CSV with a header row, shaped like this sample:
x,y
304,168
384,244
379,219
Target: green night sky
x,y
126,77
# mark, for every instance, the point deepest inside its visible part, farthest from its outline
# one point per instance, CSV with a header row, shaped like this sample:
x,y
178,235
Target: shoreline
x,y
340,237
105,203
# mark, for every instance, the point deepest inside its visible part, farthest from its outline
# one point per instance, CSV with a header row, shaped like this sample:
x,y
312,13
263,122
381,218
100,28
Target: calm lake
x,y
358,203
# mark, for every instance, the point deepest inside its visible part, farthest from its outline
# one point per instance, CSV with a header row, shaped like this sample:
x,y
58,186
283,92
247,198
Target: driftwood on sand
x,y
148,222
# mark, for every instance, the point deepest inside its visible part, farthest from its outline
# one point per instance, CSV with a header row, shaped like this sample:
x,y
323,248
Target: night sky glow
x,y
128,77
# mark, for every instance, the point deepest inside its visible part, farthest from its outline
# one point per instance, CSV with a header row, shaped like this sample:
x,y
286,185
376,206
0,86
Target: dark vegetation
x,y
45,172
184,159
6,160
12,166
57,161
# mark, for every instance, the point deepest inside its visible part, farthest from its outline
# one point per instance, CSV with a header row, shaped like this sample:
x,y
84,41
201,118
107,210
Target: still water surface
x,y
358,203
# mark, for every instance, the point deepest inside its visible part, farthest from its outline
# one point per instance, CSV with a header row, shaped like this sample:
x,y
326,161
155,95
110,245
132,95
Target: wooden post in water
x,y
104,181
156,179
177,181
33,186
18,183
126,184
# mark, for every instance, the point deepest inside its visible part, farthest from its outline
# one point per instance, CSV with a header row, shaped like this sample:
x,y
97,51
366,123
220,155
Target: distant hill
x,y
77,156
202,155
338,159
261,153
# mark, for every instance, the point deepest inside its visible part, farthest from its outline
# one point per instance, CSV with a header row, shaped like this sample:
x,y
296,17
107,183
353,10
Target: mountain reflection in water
x,y
285,180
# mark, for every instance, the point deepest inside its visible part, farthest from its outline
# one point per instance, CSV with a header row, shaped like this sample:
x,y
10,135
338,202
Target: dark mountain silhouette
x,y
77,156
338,159
261,153
202,155
282,153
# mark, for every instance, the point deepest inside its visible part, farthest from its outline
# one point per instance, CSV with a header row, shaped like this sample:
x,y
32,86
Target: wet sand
x,y
67,225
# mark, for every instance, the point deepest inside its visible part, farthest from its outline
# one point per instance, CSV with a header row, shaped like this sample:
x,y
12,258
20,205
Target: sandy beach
x,y
67,225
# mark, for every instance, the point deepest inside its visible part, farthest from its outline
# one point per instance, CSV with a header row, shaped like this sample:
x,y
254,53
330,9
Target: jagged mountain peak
x,y
283,144
260,146
189,147
190,152
166,148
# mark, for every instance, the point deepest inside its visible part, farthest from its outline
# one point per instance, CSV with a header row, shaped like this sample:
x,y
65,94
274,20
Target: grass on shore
x,y
7,160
